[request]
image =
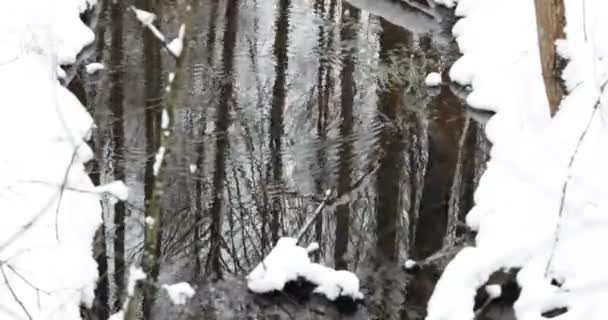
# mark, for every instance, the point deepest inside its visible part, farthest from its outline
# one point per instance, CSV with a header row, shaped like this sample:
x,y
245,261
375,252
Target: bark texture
x,y
550,21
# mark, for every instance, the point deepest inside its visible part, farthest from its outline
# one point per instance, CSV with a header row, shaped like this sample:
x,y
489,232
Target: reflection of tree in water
x,y
355,119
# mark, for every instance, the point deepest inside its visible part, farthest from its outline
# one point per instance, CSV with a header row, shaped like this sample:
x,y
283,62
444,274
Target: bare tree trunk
x,y
279,93
152,96
321,121
550,20
116,106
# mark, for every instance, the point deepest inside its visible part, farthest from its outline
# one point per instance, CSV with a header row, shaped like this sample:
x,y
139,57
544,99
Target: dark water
x,y
283,100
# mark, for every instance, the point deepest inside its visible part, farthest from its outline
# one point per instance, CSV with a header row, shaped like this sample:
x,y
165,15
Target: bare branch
x,y
10,288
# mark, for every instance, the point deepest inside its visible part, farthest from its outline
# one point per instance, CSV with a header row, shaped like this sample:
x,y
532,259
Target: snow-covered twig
x,y
62,189
175,46
569,176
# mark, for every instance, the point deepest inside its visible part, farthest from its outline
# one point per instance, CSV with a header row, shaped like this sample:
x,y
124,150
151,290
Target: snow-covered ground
x,y
541,204
49,208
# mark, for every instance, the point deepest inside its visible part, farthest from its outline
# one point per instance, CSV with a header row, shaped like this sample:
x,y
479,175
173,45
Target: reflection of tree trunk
x,y
101,304
320,10
100,33
152,91
348,35
221,135
459,183
277,106
200,150
444,130
550,20
116,106
325,84
388,181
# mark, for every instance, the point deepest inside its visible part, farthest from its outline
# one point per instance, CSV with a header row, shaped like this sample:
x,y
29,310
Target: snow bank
x,y
524,213
48,205
287,262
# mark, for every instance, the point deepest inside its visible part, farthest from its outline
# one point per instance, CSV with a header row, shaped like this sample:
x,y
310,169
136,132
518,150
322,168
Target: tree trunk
x,y
152,97
221,136
116,106
550,20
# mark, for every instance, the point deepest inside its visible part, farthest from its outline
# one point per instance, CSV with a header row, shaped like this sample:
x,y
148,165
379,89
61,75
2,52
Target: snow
x,y
48,223
537,207
149,220
158,160
135,274
410,264
144,17
493,290
179,293
164,122
177,45
287,262
120,315
94,67
117,189
433,79
147,19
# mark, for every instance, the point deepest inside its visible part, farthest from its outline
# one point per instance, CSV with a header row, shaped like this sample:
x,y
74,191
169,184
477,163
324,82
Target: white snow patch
x,y
117,189
158,160
149,220
313,246
287,262
135,274
145,17
493,290
120,315
164,122
94,67
177,45
179,293
409,264
433,79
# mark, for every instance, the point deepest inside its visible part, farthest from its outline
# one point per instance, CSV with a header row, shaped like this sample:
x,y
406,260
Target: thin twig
x,y
27,281
10,288
314,216
62,189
